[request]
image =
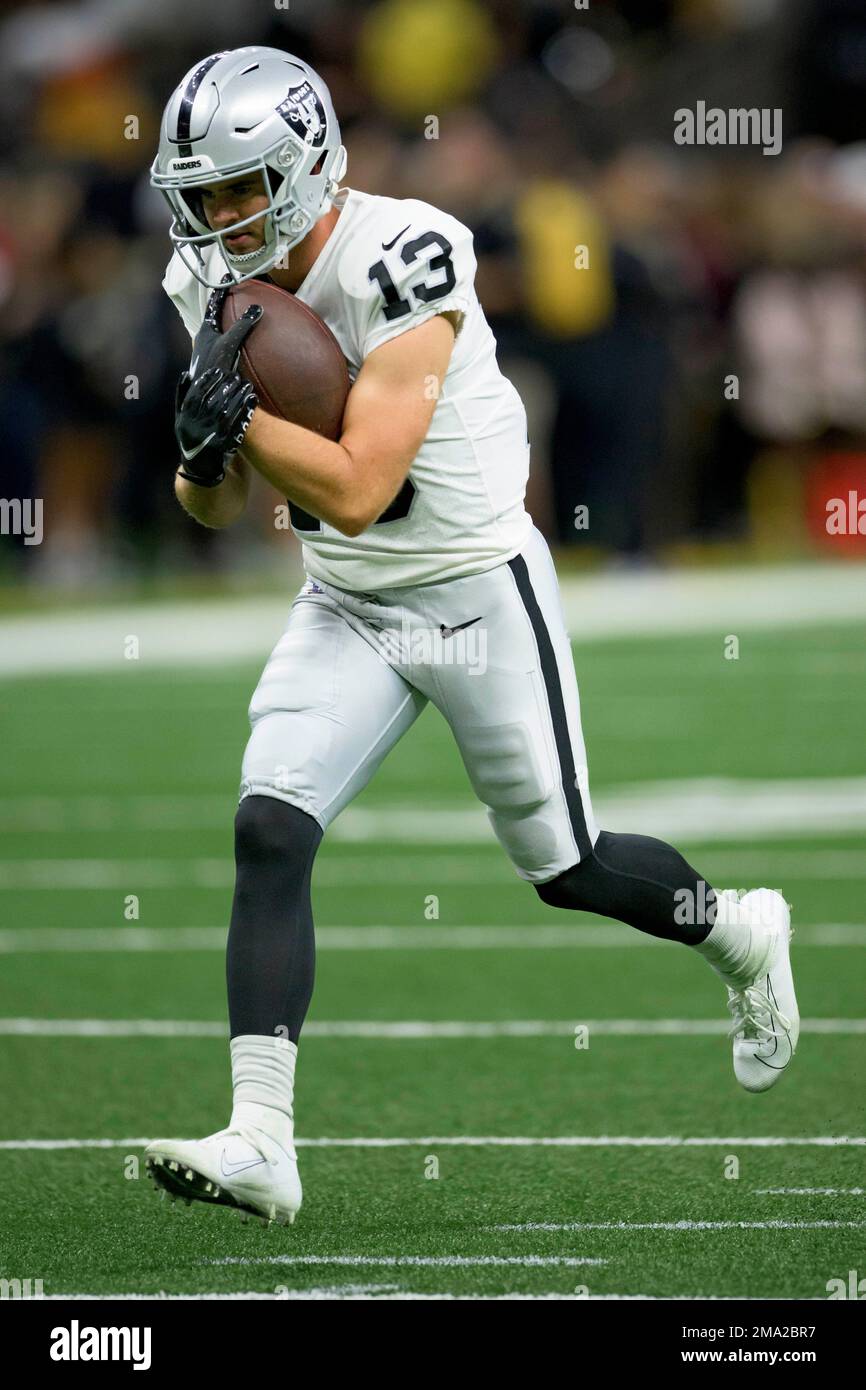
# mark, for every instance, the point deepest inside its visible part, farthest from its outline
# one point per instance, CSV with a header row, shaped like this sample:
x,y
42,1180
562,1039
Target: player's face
x,y
228,202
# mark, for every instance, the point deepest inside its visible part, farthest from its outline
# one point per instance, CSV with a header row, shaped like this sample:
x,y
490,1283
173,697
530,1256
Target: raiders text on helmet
x,y
240,112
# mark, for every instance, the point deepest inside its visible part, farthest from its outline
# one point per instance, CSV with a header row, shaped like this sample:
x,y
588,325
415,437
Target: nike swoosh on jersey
x,y
229,1170
449,631
393,243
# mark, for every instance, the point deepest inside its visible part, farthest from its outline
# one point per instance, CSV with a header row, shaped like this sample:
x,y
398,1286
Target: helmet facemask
x,y
286,221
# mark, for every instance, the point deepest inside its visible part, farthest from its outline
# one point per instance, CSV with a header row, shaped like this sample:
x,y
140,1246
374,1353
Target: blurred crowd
x,y
687,325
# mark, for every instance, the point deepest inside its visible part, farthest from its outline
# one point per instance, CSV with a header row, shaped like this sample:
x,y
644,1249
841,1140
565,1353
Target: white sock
x,y
263,1082
728,945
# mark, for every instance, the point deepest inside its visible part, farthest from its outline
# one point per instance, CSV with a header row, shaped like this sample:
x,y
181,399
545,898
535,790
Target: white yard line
x,y
582,934
809,1191
680,1226
601,606
404,1030
410,1261
590,1141
106,813
319,1291
392,1292
700,809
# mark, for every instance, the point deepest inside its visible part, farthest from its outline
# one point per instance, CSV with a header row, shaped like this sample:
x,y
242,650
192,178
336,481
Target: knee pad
x,y
266,827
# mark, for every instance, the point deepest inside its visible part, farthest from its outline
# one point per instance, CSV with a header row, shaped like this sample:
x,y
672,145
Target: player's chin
x,y
241,245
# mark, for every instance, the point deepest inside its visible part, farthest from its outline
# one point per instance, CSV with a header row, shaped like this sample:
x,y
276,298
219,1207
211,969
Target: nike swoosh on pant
x,y
449,631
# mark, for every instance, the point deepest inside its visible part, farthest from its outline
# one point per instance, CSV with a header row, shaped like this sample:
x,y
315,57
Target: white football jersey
x,y
389,265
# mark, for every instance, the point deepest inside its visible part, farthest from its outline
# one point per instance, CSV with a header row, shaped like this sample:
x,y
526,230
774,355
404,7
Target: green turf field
x,y
124,784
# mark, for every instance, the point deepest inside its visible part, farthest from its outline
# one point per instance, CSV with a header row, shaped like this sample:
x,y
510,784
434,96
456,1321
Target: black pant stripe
x,y
553,686
184,115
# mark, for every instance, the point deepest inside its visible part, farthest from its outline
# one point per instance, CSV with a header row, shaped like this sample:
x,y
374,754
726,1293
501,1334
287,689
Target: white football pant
x,y
353,671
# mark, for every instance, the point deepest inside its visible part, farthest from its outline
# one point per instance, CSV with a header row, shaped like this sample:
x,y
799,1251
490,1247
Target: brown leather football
x,y
291,358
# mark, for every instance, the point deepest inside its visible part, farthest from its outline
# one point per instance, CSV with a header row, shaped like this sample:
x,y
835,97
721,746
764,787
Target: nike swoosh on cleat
x,y
787,1036
232,1168
449,631
393,243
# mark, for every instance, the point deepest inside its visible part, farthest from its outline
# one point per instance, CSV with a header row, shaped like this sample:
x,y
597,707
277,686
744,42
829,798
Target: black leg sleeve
x,y
641,881
271,953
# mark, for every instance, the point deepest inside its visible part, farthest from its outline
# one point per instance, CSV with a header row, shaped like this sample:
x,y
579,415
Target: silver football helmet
x,y
238,112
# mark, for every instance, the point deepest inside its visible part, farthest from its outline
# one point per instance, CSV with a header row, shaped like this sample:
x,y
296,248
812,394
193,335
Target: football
x,y
291,358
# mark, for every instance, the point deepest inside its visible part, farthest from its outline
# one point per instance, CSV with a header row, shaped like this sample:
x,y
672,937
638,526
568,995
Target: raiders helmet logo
x,y
304,113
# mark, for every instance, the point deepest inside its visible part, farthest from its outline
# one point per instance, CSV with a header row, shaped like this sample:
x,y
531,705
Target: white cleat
x,y
766,1021
238,1167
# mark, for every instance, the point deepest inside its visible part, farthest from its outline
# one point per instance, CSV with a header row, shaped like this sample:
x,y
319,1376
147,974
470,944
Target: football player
x,y
415,539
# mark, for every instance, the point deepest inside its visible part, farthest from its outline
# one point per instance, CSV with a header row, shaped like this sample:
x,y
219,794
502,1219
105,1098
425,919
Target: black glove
x,y
213,404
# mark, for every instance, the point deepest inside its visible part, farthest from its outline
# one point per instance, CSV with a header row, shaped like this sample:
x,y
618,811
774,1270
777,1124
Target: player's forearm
x,y
216,506
315,473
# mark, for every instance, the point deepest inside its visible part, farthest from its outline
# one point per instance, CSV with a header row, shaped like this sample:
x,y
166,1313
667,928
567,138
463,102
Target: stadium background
x,y
555,130
131,638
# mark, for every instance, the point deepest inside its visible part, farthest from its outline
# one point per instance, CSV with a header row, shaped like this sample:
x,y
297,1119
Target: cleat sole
x,y
174,1181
